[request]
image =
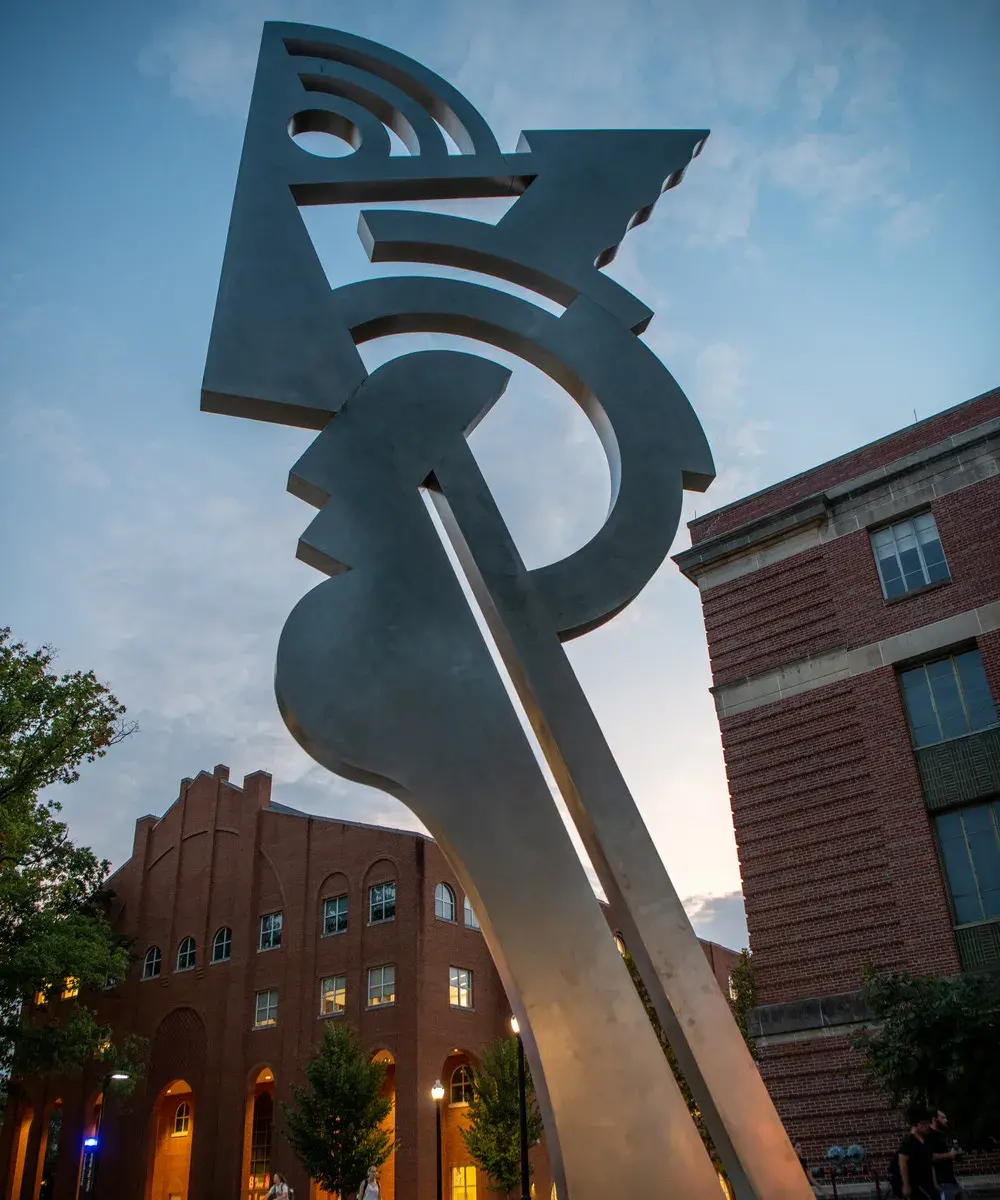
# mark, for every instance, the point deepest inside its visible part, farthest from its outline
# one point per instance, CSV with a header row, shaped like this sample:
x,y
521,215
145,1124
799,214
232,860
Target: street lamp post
x,y
437,1095
92,1145
522,1099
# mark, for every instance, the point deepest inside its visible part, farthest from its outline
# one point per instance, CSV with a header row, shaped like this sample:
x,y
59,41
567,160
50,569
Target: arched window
x,y
222,945
186,954
151,963
620,943
461,1085
444,903
471,920
182,1119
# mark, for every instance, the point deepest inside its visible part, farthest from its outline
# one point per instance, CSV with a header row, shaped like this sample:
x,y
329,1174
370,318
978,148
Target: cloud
x,y
909,221
55,438
816,85
720,919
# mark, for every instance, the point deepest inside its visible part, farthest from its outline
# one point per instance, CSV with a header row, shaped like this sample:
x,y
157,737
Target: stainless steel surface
x,y
382,674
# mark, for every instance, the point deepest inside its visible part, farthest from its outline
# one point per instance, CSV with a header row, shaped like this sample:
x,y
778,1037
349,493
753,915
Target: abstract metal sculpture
x,y
382,674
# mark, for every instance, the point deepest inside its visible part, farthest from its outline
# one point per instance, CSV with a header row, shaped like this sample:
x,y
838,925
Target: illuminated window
x,y
182,1119
444,903
41,998
333,995
463,1183
186,954
151,963
266,1009
459,987
381,986
270,931
381,903
334,915
71,988
471,920
461,1086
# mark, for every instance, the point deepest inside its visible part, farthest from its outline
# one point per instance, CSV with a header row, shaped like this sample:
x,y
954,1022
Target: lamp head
x,y
437,1091
118,1076
514,1025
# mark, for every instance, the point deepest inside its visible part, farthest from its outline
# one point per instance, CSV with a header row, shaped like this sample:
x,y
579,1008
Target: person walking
x,y
915,1157
279,1188
944,1154
369,1189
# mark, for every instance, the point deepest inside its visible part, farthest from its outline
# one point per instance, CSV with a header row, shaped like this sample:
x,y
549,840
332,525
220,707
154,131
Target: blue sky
x,y
826,269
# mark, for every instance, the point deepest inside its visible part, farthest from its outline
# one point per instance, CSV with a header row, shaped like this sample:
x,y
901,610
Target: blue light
x,y
90,1143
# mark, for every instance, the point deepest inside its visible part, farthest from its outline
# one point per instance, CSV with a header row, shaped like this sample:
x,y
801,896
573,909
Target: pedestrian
x,y
916,1180
369,1189
945,1153
279,1188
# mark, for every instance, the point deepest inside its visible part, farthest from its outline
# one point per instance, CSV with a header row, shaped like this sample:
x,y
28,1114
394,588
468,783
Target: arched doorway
x,y
387,1172
460,1175
172,1134
258,1135
25,1117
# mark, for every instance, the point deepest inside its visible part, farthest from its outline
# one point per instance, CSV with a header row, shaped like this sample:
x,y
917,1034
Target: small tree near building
x,y
335,1123
936,1043
493,1134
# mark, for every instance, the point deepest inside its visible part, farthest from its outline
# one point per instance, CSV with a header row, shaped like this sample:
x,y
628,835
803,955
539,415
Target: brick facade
x,y
224,856
834,826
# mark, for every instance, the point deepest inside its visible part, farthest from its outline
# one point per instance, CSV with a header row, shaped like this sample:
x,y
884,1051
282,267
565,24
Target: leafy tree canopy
x,y
53,923
334,1123
936,1043
493,1134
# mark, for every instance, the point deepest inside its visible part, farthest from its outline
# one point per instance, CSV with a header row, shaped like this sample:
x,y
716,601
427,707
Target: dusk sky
x,y
826,272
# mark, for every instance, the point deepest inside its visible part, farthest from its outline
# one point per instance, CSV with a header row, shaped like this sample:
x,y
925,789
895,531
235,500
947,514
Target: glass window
x,y
222,945
970,847
333,995
266,1009
461,1085
186,954
444,903
947,698
381,986
334,915
471,920
381,903
909,555
270,931
151,963
460,987
71,988
182,1119
463,1183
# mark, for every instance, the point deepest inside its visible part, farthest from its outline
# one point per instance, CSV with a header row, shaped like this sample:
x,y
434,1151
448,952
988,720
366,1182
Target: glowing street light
x,y
437,1095
522,1100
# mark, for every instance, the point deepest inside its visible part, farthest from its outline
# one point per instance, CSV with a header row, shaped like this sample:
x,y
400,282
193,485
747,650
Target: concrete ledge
x,y
815,1015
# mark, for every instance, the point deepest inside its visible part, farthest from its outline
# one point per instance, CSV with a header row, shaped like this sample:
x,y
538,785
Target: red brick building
x,y
253,925
853,622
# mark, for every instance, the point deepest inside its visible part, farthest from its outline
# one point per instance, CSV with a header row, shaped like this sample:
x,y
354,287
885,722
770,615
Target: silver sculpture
x,y
382,674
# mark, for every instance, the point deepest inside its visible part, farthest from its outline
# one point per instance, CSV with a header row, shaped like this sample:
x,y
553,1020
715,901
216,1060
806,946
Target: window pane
x,y
266,1011
444,903
382,902
947,699
958,869
471,920
222,947
381,986
892,578
333,995
976,690
270,931
335,915
919,707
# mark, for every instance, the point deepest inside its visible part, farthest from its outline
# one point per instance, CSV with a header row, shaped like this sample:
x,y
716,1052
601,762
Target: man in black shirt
x,y
944,1159
916,1163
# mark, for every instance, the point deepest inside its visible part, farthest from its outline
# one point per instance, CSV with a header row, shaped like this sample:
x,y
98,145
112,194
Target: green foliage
x,y
936,1044
493,1135
53,924
743,995
334,1123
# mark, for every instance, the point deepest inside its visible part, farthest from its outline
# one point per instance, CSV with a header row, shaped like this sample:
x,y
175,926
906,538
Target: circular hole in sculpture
x,y
325,134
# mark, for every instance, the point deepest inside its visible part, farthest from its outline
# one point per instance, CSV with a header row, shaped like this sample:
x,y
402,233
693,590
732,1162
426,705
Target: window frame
x,y
444,897
923,668
270,916
462,1187
182,1119
345,914
147,960
323,993
891,527
383,901
469,915
189,948
381,1002
459,987
992,808
269,1021
465,1084
227,940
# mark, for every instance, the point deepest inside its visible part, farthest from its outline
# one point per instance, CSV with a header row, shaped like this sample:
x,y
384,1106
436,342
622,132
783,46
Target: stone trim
x,y
810,673
874,498
833,1015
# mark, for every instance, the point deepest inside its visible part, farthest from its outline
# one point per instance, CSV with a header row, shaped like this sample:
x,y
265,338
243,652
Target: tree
x,y
334,1123
935,1044
743,996
493,1134
53,920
